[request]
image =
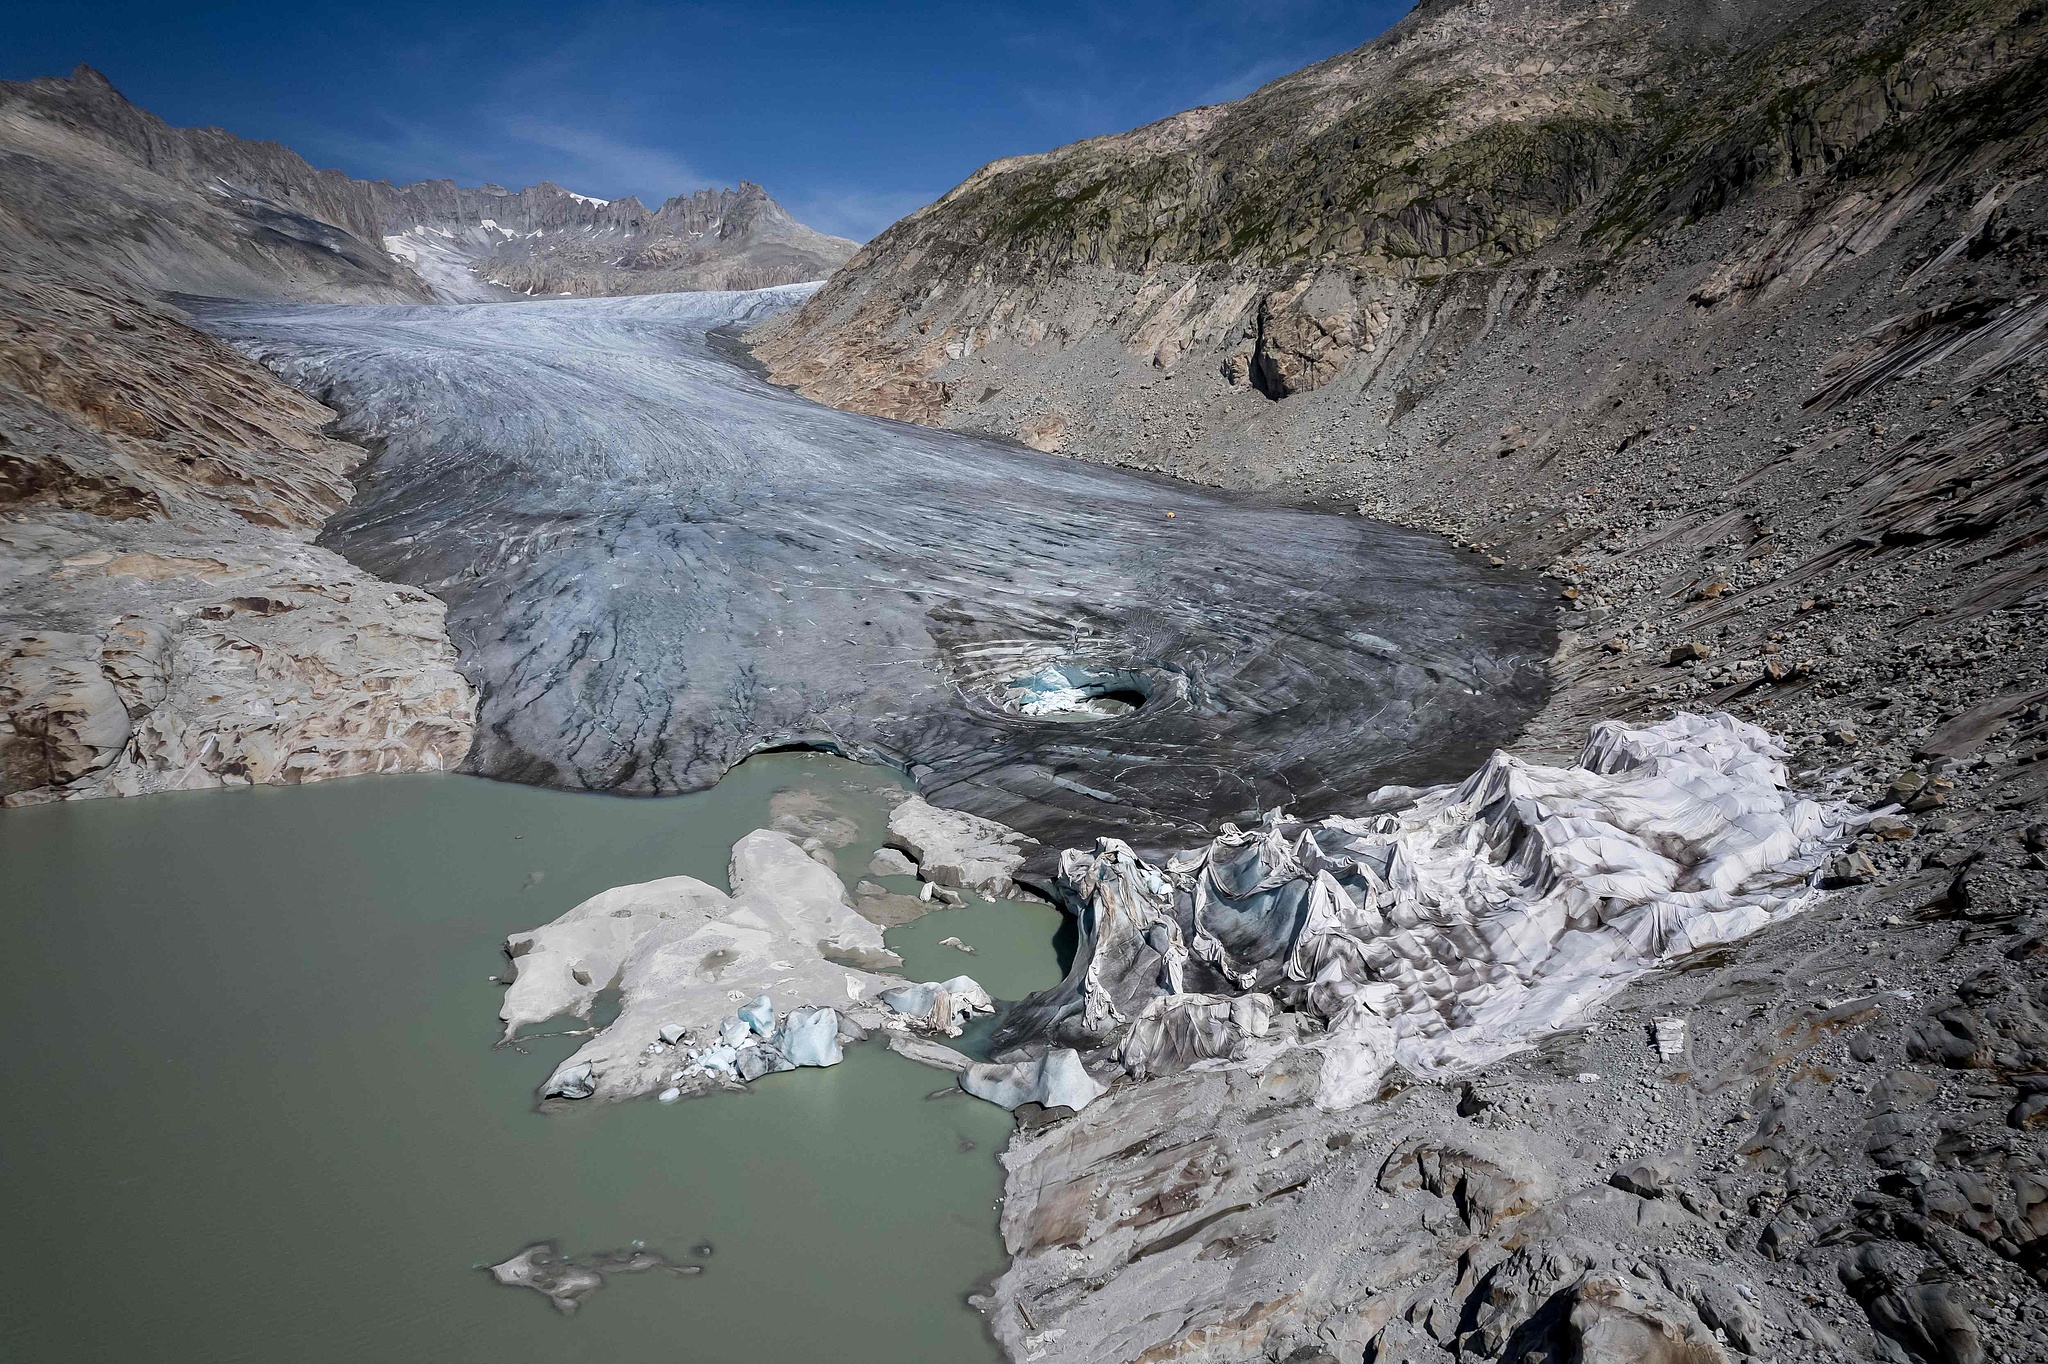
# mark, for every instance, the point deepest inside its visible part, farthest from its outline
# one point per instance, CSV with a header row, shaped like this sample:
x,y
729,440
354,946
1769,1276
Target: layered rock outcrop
x,y
165,621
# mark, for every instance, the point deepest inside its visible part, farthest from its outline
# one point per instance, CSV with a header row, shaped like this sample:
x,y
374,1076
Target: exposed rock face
x,y
1309,228
87,180
164,621
542,241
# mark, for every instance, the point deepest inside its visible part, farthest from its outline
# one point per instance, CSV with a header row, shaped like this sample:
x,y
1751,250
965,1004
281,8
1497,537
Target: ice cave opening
x,y
1078,693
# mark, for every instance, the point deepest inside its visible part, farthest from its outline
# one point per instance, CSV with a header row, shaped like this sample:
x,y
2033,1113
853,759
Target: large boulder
x,y
953,848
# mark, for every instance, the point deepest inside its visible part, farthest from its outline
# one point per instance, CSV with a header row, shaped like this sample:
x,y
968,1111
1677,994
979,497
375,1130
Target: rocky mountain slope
x,y
165,620
1731,318
87,180
544,240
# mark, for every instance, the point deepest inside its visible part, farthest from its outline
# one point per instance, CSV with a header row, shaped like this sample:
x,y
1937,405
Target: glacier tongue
x,y
1448,933
656,564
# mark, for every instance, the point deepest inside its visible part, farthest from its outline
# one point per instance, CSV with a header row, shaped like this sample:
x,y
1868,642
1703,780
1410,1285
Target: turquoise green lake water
x,y
254,1113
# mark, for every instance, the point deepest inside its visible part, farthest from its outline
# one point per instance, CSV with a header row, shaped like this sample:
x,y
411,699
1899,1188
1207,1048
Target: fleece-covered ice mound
x,y
1445,933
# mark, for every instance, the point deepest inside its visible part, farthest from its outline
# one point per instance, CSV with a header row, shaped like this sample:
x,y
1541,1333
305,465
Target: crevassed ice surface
x,y
656,563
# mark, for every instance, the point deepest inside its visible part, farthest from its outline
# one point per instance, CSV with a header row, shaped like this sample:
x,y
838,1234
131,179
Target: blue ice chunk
x,y
811,1037
913,1000
760,1015
717,1060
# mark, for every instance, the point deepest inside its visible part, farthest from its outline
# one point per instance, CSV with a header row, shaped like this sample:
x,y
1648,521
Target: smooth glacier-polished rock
x,y
656,564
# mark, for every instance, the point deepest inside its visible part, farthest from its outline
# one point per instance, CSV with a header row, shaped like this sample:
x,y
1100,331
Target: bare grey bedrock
x,y
656,564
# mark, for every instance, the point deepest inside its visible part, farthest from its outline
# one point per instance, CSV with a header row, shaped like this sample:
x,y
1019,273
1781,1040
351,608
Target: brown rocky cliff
x,y
165,621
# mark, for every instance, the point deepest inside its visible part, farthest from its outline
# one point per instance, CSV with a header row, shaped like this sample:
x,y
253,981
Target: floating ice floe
x,y
693,965
1443,934
940,1005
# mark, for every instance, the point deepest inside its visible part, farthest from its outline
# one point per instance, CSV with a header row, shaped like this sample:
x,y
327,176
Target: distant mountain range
x,y
89,180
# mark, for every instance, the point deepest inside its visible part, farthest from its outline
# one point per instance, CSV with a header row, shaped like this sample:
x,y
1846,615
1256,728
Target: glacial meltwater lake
x,y
254,1113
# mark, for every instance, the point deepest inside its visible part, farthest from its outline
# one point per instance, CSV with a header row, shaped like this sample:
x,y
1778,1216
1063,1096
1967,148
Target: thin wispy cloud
x,y
1239,84
614,167
857,213
401,153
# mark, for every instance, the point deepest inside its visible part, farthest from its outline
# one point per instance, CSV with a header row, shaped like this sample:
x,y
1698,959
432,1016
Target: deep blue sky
x,y
851,114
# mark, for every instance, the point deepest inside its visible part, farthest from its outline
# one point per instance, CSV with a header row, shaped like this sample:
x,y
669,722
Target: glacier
x,y
656,563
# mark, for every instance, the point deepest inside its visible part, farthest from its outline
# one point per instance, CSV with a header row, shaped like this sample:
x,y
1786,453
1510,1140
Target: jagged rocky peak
x,y
545,240
97,184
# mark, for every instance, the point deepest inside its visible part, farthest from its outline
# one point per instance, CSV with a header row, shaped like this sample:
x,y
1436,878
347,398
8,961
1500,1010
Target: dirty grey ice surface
x,y
656,564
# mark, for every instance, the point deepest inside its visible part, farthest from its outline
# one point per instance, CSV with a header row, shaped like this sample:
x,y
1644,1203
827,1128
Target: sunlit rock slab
x,y
656,564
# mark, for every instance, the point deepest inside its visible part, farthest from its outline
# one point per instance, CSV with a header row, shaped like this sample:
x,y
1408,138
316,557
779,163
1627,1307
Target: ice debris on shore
x,y
752,1044
1439,935
939,1005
